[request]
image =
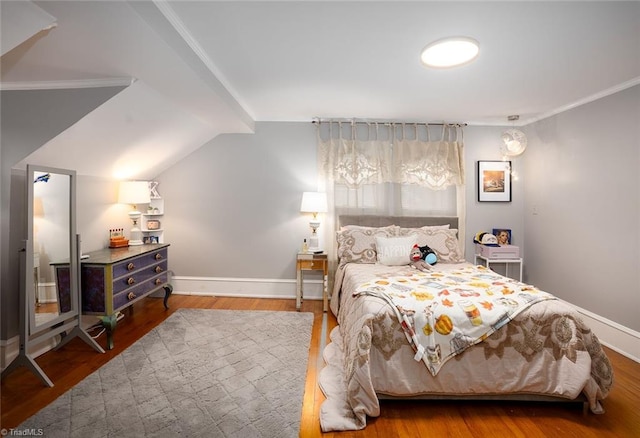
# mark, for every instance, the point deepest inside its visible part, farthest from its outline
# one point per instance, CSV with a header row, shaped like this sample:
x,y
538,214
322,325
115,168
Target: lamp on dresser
x,y
314,203
134,193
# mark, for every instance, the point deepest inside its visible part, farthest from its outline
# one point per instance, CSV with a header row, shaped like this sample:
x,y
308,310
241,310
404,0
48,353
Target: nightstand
x,y
486,261
307,261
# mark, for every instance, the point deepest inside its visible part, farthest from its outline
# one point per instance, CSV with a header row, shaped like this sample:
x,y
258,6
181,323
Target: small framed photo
x,y
494,181
154,239
153,224
503,235
146,239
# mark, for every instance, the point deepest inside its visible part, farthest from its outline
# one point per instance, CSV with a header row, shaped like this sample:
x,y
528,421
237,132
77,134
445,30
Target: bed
x,y
457,331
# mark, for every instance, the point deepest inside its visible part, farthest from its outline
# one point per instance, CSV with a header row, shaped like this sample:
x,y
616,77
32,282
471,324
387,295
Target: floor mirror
x,y
51,241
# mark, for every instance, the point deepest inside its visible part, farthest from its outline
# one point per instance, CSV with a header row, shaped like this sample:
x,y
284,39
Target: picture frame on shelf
x,y
153,224
503,235
494,181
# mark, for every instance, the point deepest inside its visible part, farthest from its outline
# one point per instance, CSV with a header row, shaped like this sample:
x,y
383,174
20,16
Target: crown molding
x,y
67,84
596,96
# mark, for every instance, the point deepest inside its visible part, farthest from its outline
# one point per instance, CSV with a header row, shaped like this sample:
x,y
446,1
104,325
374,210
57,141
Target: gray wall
x,y
232,208
483,143
582,200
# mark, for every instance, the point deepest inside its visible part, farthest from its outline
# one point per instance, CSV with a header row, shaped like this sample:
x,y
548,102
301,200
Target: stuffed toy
x,y
417,261
428,255
486,239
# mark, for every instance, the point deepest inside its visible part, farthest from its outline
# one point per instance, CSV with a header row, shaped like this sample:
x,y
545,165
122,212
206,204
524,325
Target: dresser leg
x,y
168,289
109,323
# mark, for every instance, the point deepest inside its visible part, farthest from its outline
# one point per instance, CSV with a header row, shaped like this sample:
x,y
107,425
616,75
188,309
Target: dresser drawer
x,y
124,298
135,264
136,277
311,265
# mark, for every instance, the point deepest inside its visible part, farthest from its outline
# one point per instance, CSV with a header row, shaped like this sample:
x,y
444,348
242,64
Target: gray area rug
x,y
201,373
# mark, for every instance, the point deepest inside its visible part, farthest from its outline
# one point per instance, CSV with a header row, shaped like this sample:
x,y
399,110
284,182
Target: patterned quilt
x,y
546,350
444,313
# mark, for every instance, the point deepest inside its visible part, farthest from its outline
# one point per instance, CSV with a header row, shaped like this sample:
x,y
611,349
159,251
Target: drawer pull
x,y
131,296
158,269
130,281
158,281
130,267
158,256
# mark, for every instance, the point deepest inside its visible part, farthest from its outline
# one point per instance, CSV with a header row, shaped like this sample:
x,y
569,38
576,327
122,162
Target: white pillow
x,y
394,251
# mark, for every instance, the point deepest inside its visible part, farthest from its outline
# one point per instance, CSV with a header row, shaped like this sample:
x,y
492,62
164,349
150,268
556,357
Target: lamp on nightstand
x,y
134,192
314,202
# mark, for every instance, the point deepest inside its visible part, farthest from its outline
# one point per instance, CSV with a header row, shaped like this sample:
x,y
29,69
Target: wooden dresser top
x,y
115,255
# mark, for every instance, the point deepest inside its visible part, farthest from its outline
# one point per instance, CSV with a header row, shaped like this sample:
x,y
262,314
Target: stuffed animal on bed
x,y
417,261
428,255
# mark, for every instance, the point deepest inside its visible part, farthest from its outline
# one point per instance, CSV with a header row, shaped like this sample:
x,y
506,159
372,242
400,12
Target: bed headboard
x,y
401,221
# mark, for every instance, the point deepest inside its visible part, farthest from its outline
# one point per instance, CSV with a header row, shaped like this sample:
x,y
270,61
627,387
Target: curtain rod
x,y
385,122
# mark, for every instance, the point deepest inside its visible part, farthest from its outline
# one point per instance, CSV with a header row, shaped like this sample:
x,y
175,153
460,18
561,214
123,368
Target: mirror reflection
x,y
51,241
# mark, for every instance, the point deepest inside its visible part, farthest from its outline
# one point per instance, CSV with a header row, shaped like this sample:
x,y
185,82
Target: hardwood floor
x,y
23,394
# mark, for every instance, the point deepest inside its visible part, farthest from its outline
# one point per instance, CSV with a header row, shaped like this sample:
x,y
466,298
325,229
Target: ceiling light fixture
x,y
450,52
514,141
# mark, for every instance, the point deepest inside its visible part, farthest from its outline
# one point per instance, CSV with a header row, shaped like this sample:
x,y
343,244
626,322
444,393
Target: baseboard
x,y
246,287
613,335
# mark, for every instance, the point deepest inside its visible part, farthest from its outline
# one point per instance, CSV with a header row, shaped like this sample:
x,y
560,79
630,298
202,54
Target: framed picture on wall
x,y
494,181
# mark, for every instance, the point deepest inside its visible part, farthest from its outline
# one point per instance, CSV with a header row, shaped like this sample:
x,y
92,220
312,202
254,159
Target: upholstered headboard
x,y
401,221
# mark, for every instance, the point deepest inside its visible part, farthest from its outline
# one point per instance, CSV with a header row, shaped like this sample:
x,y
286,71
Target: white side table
x,y
486,262
311,262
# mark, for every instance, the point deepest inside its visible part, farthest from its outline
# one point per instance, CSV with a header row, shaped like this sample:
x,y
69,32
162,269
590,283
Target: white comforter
x,y
545,350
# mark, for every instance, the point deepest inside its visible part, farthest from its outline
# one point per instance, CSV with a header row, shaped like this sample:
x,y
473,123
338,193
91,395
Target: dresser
x,y
112,279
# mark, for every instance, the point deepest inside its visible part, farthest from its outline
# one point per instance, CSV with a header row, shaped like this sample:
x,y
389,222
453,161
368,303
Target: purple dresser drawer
x,y
141,275
133,265
128,296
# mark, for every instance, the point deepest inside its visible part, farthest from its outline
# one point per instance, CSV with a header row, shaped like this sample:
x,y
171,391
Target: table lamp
x,y
134,193
314,202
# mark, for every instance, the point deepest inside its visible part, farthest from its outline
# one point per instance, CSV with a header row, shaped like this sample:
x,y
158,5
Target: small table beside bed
x,y
457,331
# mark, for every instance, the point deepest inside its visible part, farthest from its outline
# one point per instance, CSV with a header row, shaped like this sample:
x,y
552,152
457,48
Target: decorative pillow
x,y
443,242
394,251
358,245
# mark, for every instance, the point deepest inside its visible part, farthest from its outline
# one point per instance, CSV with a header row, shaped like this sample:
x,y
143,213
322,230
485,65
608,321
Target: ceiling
x,y
192,70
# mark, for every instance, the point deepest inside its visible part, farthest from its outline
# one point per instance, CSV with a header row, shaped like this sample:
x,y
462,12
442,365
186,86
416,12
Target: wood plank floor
x,y
23,394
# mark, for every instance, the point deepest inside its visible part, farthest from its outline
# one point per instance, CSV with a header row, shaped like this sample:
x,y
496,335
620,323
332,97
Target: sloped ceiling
x,y
195,69
26,21
168,108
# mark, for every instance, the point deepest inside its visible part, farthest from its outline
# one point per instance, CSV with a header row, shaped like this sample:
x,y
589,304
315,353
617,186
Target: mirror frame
x,y
74,260
67,324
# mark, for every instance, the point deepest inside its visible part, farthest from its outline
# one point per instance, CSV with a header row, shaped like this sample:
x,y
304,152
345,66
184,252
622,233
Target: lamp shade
x,y
314,202
515,142
134,192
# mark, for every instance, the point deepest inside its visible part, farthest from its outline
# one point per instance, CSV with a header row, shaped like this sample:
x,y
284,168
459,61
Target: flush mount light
x,y
450,52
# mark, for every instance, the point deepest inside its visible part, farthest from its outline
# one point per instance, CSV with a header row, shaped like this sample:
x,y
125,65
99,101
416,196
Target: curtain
x,y
383,168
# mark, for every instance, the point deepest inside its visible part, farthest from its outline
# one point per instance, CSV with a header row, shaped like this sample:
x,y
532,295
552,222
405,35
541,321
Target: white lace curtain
x,y
401,169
